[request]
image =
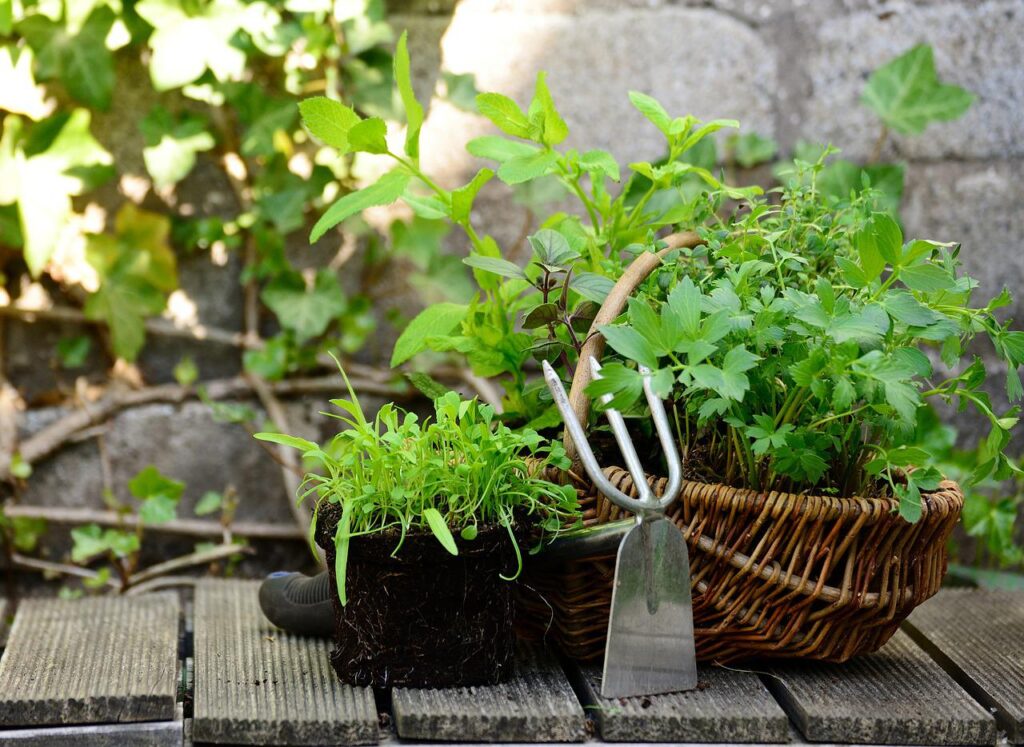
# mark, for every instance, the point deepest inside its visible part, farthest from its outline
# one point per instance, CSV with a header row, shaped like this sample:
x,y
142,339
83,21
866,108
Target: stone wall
x,y
791,69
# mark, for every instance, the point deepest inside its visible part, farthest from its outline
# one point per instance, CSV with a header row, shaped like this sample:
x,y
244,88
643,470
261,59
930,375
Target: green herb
x,y
451,474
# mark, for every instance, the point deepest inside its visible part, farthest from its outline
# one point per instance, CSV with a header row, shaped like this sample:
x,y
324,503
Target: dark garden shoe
x,y
298,603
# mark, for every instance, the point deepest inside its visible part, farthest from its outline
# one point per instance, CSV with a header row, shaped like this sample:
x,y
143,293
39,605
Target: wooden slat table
x,y
111,671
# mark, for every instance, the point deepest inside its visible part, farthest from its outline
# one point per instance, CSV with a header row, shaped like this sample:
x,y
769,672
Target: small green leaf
x,y
495,266
907,94
158,509
592,286
552,248
553,127
600,162
436,320
283,439
541,316
19,467
505,113
307,311
369,136
385,191
426,385
150,483
440,530
524,168
329,121
751,149
499,149
469,533
927,278
74,351
651,109
413,109
462,198
209,503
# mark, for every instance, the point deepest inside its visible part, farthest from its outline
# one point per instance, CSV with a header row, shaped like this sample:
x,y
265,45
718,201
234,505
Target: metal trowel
x,y
650,647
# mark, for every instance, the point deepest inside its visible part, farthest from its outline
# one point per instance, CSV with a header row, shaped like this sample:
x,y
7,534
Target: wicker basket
x,y
773,574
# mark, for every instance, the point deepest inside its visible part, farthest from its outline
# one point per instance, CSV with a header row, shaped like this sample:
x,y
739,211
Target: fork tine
x,y
586,454
618,424
667,439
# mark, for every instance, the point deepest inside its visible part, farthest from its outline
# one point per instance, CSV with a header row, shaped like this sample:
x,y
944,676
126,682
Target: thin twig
x,y
189,527
48,566
164,582
185,561
56,434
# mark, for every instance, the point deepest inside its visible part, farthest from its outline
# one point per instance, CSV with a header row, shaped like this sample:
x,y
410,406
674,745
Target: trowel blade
x,y
650,630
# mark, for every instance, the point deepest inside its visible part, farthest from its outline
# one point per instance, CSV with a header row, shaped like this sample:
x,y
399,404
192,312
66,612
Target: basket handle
x,y
613,305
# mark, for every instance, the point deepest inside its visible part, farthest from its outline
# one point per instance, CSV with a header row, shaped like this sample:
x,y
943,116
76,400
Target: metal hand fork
x,y
650,646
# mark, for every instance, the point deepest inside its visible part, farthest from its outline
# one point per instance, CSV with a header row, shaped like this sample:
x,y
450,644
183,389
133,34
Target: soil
x,y
423,618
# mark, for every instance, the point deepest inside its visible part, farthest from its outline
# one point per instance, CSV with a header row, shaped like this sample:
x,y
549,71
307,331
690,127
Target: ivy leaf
x,y
172,144
19,93
209,503
907,94
413,109
329,121
437,320
306,311
150,483
185,45
385,191
158,510
137,269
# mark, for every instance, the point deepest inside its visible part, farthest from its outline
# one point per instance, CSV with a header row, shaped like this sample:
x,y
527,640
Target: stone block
x,y
977,46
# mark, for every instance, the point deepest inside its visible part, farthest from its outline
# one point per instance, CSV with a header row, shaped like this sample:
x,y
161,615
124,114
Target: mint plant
x,y
458,473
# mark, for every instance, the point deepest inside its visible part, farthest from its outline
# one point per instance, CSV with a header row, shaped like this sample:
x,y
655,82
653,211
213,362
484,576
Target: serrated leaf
x,y
463,198
437,320
907,94
524,168
505,113
384,191
600,162
369,136
499,149
553,127
329,121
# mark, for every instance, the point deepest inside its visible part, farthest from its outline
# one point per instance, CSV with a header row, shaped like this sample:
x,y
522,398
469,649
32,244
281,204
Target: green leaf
x,y
910,501
927,278
369,136
505,113
307,311
524,168
541,316
592,286
730,381
185,44
209,503
499,148
426,385
158,510
186,372
495,266
600,162
630,344
434,321
413,109
385,191
329,121
172,144
751,149
907,94
150,483
19,467
463,197
74,351
440,529
623,383
87,542
553,127
87,67
903,307
293,442
651,109
19,93
552,248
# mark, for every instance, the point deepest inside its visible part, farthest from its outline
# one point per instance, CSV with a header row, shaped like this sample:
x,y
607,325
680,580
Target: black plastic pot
x,y
423,618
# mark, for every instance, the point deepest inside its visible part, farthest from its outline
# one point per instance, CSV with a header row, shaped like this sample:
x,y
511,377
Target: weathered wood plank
x,y
88,661
149,734
255,684
978,637
537,705
895,696
728,706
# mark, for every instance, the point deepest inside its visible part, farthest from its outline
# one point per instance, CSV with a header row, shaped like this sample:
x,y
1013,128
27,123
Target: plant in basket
x,y
422,522
797,337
